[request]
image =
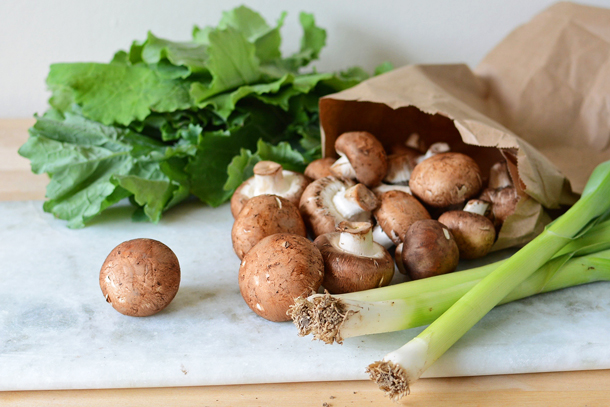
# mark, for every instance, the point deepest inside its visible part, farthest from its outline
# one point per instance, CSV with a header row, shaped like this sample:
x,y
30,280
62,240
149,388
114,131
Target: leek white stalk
x,y
404,366
334,318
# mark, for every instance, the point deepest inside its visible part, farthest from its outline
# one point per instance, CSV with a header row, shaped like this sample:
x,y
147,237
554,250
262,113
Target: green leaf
x,y
232,63
151,188
190,54
114,93
312,42
225,103
240,169
84,159
383,68
208,169
283,154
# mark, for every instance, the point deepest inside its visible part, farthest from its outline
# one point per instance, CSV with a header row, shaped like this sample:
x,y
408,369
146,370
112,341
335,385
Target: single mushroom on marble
x,y
362,158
429,249
329,201
262,216
140,277
474,233
277,270
446,179
269,178
352,260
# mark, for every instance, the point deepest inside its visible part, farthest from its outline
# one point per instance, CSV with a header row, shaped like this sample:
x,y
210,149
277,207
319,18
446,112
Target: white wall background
x,y
36,33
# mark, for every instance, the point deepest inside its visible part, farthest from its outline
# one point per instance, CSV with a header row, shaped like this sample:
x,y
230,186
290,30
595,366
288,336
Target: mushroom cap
x,y
346,273
429,249
446,179
318,209
365,154
503,203
473,233
295,184
319,168
277,270
140,277
396,212
262,216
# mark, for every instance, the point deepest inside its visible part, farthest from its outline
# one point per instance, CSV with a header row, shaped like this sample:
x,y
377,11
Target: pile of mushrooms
x,y
356,208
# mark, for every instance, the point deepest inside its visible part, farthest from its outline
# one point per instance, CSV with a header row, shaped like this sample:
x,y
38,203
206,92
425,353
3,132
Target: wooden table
x,y
583,388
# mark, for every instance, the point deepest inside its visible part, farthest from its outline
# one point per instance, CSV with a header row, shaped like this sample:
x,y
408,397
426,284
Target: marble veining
x,y
57,332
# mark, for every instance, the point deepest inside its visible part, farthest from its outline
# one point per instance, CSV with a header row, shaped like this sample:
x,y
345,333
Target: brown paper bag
x,y
540,99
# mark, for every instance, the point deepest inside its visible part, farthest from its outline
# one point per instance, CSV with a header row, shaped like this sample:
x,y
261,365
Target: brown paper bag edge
x,y
529,217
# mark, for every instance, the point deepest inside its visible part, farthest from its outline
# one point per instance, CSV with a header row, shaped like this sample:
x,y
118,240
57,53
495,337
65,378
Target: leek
x,y
334,318
402,367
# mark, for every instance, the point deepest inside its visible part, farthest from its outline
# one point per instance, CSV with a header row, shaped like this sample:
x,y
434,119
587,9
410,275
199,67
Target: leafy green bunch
x,y
167,119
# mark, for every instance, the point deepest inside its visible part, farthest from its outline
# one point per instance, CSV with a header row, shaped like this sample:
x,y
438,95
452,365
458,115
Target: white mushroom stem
x,y
358,240
269,178
414,141
354,201
499,176
436,148
379,236
343,167
360,245
477,206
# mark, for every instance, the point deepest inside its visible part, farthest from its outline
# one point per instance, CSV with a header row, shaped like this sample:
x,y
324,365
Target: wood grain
x,y
583,388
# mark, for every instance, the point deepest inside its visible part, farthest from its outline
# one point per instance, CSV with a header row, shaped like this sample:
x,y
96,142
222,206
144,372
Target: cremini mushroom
x,y
396,212
362,158
277,270
503,203
329,201
319,168
473,232
429,249
269,178
352,260
499,176
446,179
262,216
140,277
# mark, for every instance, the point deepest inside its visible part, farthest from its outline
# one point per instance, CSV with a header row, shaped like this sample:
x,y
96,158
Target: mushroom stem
x,y
343,167
381,237
499,177
357,238
268,178
477,206
354,200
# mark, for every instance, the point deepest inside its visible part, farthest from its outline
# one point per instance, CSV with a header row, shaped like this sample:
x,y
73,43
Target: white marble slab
x,y
57,332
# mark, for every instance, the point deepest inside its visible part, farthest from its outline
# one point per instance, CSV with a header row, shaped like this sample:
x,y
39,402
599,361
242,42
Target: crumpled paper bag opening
x,y
540,100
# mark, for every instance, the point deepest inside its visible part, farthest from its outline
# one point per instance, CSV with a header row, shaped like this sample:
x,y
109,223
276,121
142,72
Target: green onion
x,y
334,318
400,368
